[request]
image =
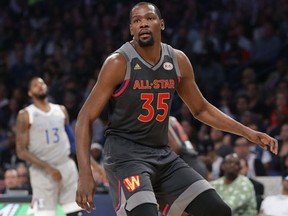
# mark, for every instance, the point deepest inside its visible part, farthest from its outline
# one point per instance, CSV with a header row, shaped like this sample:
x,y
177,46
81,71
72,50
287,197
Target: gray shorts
x,y
47,193
142,174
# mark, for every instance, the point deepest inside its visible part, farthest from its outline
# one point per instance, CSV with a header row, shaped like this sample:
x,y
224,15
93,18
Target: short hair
x,y
31,80
146,3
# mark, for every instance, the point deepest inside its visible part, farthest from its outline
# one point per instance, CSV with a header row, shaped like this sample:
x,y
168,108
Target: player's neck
x,y
150,54
42,105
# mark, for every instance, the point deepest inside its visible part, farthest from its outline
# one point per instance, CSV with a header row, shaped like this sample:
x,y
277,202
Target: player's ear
x,y
162,25
131,32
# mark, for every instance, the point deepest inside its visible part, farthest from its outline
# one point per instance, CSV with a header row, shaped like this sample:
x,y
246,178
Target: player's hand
x,y
85,193
54,173
265,140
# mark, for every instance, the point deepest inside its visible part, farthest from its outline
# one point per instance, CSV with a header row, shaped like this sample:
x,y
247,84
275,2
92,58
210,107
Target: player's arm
x,y
67,119
22,142
69,130
209,114
111,75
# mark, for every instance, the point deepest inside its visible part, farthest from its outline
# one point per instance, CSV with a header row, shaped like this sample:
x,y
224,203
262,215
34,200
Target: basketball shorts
x,y
47,193
141,174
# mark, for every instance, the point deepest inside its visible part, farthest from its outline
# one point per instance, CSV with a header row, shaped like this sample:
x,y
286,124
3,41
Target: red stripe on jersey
x,y
164,212
121,89
179,79
119,196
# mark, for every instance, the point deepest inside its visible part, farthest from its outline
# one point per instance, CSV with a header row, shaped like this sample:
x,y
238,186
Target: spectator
x,y
8,157
280,73
258,186
280,112
212,160
23,177
242,149
236,190
10,180
221,142
283,150
277,204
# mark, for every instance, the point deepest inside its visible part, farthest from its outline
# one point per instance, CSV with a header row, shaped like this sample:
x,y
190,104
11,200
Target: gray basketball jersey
x,y
47,137
139,109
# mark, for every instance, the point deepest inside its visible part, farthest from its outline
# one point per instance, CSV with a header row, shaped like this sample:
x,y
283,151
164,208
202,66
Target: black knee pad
x,y
208,203
144,210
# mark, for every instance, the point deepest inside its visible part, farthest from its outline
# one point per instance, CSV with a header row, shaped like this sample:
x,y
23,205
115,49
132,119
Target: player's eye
x,y
136,20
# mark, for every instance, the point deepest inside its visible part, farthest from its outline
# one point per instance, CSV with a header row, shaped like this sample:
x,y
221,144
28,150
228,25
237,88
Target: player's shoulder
x,y
115,59
22,111
57,106
179,53
26,109
23,115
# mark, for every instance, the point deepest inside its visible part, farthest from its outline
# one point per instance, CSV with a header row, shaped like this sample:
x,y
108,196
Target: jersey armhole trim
x,y
179,79
122,88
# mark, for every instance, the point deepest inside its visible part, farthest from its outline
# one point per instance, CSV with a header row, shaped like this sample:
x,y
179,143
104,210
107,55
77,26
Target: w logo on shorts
x,y
131,183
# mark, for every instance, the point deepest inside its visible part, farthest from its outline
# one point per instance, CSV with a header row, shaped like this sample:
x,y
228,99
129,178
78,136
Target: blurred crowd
x,y
238,49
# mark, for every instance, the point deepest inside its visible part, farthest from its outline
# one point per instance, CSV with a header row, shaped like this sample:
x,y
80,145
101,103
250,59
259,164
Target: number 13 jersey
x,y
47,136
139,109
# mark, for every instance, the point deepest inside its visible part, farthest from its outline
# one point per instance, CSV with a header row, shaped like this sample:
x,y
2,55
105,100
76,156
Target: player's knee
x,y
222,210
217,207
144,210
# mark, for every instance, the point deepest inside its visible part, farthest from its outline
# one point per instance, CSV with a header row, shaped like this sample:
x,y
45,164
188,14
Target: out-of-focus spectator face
x,y
18,93
252,90
246,118
248,76
96,151
281,100
225,92
282,66
23,175
13,105
69,100
216,135
284,132
242,104
187,127
11,178
231,165
282,87
2,91
243,167
242,147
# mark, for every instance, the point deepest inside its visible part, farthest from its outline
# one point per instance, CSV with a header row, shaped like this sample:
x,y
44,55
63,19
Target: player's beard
x,y
147,43
41,96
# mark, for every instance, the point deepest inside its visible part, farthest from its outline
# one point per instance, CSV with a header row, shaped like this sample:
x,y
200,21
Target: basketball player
x,y
145,175
41,140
